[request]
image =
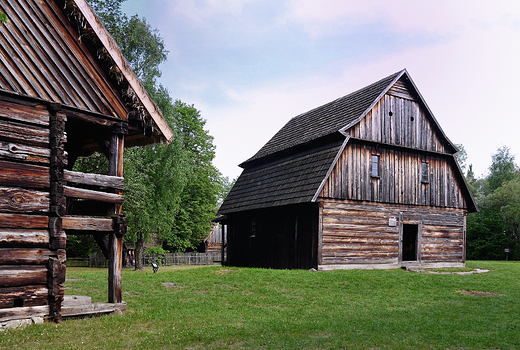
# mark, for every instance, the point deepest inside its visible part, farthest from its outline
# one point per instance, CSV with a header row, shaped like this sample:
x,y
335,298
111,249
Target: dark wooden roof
x,y
59,51
326,119
285,181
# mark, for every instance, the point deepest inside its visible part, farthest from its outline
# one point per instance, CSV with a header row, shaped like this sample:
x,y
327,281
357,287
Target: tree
x,y
496,226
502,168
462,157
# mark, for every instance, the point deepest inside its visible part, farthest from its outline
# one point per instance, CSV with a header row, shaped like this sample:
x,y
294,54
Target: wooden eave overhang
x,y
135,90
59,52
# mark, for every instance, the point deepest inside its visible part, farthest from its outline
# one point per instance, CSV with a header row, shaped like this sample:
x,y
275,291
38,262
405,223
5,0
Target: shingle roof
x,y
326,119
290,167
289,181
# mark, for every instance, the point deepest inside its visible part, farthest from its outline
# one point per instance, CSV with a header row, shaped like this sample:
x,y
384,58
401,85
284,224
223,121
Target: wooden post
x,y
57,237
115,241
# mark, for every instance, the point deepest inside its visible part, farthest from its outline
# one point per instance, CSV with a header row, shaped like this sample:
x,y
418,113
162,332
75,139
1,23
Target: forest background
x,y
172,192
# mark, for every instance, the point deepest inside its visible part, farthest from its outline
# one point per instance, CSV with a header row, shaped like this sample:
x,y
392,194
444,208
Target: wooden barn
x,y
369,180
65,92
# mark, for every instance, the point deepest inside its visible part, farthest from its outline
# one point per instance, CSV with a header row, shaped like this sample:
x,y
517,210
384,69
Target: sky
x,y
249,66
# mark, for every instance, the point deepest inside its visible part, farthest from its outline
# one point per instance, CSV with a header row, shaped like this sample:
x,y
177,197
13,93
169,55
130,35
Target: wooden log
x,y
23,312
22,275
56,277
94,179
24,133
23,221
23,296
28,153
87,223
19,200
32,238
93,195
25,114
28,256
23,175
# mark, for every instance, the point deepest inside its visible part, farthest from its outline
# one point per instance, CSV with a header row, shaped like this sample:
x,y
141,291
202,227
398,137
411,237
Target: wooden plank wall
x,y
26,242
359,233
400,180
399,121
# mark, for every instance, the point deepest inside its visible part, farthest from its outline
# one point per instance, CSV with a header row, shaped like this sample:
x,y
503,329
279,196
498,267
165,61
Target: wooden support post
x,y
115,241
57,238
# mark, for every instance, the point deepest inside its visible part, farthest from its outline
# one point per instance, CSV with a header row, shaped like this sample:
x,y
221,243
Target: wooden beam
x,y
17,313
23,296
13,276
23,175
23,221
28,256
32,238
87,223
19,200
94,179
93,195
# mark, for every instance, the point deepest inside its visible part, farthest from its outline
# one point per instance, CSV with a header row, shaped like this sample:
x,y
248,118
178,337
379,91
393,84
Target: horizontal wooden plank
x,y
17,313
27,295
23,221
87,223
28,256
14,237
24,175
33,115
28,153
82,193
94,179
12,276
19,200
23,133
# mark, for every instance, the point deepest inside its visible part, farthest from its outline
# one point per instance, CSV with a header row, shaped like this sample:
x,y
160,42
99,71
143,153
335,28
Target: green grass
x,y
236,308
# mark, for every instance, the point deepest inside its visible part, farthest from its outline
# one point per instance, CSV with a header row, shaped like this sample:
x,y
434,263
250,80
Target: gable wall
x,y
408,126
400,179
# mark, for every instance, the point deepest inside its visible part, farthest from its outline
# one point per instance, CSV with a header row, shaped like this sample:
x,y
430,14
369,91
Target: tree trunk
x,y
138,250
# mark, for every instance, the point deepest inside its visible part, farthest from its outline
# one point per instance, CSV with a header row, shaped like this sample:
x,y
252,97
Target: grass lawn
x,y
236,308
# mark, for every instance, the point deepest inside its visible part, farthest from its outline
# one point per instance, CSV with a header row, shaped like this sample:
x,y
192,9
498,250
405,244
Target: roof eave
x,y
122,64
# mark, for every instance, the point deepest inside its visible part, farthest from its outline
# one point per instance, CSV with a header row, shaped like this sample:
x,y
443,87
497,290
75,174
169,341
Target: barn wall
x,y
360,234
281,237
400,179
400,121
31,245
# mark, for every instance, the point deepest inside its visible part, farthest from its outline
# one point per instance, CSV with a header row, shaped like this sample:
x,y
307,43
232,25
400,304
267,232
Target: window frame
x,y
377,173
425,172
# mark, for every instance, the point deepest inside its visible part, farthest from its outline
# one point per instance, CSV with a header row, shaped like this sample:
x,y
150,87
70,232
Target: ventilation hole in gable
x,y
390,113
412,118
18,302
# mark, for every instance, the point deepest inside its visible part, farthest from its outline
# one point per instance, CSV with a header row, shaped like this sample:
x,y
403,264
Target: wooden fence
x,y
98,260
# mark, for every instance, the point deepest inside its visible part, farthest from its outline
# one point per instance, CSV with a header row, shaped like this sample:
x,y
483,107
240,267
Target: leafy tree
x,y
496,226
502,168
462,157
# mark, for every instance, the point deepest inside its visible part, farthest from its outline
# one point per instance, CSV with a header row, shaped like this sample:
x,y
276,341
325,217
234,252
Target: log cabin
x,y
369,180
66,91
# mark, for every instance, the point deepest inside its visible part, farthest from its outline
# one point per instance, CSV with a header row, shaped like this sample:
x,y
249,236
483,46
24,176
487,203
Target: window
x,y
375,165
424,177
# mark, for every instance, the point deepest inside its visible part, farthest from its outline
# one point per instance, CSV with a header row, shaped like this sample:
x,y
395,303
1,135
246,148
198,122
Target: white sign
x,y
392,222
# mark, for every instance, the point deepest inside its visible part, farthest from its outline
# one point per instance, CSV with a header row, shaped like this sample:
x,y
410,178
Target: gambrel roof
x,y
292,166
58,51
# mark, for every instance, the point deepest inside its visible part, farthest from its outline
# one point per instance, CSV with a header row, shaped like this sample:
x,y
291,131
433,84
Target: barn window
x,y
375,165
424,177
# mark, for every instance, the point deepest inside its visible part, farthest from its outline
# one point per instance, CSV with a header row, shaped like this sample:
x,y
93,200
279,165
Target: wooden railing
x,y
93,187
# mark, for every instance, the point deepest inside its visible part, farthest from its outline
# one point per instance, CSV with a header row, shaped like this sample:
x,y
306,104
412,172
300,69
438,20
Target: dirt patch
x,y
171,285
225,272
480,293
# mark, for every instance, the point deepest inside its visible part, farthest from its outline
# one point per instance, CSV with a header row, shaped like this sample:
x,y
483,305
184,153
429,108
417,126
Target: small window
x,y
424,172
253,228
375,165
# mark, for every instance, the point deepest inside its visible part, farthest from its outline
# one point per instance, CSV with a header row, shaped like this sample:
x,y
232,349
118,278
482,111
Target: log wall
x,y
360,233
32,244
